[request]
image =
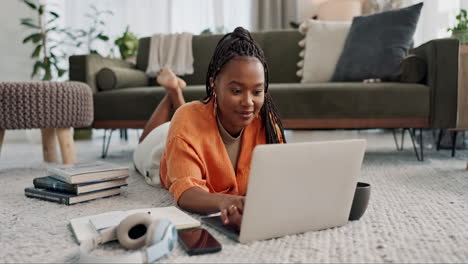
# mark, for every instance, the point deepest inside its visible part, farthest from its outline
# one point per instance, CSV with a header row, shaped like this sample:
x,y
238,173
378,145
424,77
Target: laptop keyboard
x,y
216,223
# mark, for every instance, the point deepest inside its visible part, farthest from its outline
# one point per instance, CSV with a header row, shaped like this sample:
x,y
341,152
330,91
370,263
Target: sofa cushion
x,y
116,77
311,100
282,54
376,44
323,45
136,103
351,100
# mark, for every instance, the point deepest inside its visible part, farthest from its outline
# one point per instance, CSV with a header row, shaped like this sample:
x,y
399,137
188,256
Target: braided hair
x,y
241,43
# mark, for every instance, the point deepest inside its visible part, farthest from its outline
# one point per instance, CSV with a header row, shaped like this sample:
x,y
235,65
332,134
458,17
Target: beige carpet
x,y
418,210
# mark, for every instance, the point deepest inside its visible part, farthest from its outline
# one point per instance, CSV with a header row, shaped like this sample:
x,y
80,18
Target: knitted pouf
x,y
54,107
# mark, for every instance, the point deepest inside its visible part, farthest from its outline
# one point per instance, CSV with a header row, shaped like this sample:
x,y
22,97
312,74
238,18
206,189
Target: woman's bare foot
x,y
168,79
173,86
181,83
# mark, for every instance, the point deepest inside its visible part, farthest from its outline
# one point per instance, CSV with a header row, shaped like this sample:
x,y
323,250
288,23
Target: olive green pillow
x,y
116,78
413,69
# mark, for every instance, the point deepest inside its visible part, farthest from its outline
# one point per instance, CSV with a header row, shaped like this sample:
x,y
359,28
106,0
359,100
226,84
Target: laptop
x,y
297,187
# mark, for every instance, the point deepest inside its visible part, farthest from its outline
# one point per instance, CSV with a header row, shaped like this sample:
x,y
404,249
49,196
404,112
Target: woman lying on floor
x,y
203,156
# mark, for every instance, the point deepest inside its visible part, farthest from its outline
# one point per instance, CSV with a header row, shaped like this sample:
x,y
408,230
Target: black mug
x,y
360,201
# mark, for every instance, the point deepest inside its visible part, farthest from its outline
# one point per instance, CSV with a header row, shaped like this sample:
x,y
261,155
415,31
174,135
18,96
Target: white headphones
x,y
156,237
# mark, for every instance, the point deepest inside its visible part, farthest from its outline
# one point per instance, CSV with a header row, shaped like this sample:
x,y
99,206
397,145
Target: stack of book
x,y
70,184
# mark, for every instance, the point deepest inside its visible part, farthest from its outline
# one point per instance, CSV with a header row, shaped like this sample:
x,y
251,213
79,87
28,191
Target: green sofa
x,y
432,103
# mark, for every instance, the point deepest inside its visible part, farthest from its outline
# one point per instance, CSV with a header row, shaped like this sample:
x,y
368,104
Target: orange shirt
x,y
195,154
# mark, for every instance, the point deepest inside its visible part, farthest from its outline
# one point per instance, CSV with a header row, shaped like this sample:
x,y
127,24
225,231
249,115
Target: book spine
x,y
55,186
46,197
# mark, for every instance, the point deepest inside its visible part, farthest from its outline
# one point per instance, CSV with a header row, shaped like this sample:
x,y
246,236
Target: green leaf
x,y
61,72
51,29
31,5
70,35
54,14
36,51
26,20
41,10
36,37
36,67
29,24
103,37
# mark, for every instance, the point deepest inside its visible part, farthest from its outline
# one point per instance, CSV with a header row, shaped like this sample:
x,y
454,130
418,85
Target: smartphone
x,y
197,241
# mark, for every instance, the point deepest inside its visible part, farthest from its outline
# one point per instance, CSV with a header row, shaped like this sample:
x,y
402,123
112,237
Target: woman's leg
x,y
172,100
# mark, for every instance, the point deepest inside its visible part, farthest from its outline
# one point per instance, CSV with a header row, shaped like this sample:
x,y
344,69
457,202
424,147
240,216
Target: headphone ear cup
x,y
156,231
133,230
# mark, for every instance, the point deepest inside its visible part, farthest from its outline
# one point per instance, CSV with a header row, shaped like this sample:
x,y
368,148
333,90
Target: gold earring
x,y
215,108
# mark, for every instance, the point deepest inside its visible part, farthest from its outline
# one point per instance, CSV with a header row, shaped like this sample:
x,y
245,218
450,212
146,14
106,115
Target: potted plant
x,y
47,52
128,45
460,31
95,33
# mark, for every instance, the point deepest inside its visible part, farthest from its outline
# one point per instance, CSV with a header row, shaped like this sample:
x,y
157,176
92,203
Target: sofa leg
x,y
441,134
105,145
67,146
2,134
49,146
399,147
454,142
420,153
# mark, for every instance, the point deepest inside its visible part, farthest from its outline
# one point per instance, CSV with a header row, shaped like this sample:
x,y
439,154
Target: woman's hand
x,y
231,208
198,200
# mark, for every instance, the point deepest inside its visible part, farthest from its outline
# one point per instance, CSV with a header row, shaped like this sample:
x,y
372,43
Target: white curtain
x,y
273,14
148,17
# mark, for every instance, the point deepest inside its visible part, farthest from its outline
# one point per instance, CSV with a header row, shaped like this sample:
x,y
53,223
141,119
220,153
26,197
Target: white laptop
x,y
297,187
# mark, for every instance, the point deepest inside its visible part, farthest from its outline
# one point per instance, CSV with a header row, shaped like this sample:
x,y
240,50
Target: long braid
x,y
241,43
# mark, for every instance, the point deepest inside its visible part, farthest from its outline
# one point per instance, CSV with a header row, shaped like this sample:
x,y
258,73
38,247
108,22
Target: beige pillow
x,y
324,42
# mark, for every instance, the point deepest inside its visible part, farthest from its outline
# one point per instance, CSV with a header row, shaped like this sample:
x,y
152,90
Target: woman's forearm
x,y
198,200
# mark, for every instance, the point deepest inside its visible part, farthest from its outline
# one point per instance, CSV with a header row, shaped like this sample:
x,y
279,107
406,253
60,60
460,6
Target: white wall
x,y
15,61
436,16
464,4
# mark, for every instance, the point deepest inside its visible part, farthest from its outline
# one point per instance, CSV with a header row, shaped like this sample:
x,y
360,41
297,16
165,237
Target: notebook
x,y
87,227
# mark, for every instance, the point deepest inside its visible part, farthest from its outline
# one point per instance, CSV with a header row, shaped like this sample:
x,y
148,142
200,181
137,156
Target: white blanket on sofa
x,y
170,50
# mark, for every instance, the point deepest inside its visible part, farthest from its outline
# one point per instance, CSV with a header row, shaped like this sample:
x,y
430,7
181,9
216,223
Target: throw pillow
x,y
116,77
323,45
376,45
